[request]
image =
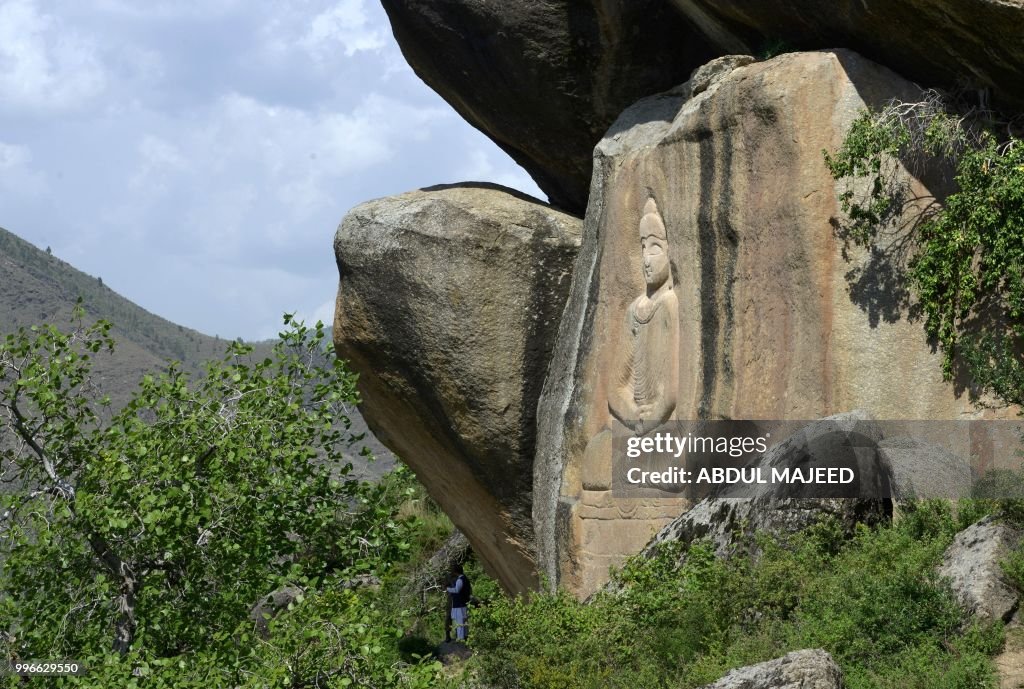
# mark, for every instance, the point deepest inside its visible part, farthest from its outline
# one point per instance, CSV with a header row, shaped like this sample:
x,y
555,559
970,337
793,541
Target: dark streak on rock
x,y
708,272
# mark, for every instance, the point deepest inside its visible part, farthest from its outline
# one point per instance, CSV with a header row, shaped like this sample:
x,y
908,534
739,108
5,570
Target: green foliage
x,y
773,47
972,257
1014,568
433,525
683,618
1002,492
342,638
967,267
867,147
138,541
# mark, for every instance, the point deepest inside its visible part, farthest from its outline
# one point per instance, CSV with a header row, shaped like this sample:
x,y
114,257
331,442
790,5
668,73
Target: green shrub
x,y
682,618
1014,568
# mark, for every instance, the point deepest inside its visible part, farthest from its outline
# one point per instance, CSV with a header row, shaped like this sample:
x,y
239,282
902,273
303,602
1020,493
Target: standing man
x,y
458,595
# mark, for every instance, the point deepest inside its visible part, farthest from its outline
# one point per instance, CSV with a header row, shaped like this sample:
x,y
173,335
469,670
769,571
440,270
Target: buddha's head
x,y
654,246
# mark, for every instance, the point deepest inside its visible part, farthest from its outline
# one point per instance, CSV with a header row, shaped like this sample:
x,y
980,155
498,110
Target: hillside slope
x,y
37,287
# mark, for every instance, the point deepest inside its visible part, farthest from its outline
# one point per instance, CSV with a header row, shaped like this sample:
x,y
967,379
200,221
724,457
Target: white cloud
x,y
160,158
12,156
16,173
159,153
296,159
326,34
167,9
344,25
218,224
43,64
199,154
480,167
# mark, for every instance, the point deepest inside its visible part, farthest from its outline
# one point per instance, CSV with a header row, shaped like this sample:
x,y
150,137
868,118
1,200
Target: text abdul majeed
x,y
667,444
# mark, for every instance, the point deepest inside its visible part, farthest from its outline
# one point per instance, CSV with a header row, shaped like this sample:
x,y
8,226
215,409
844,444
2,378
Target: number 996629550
x,y
42,668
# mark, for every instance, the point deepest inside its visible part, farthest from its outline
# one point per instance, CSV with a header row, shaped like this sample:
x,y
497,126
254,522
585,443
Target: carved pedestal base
x,y
607,531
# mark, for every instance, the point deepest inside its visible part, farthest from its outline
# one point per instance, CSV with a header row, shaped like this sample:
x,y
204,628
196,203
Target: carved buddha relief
x,y
645,377
643,395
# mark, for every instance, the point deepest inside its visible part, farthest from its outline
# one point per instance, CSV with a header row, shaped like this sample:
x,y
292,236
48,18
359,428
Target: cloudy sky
x,y
198,154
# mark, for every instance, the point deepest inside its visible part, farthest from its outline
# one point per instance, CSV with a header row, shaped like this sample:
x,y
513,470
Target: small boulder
x,y
451,652
807,669
973,566
704,76
271,605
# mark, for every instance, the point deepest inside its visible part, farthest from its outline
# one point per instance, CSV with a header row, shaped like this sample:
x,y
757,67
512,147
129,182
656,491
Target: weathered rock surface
x,y
920,470
727,521
453,652
972,564
807,669
544,80
706,75
972,43
1010,663
776,319
271,605
448,303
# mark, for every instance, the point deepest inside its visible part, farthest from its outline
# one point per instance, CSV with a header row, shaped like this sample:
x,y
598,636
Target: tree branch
x,y
124,628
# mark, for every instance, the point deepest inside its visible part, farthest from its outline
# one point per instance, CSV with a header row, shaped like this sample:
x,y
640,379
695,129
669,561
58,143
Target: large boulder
x,y
956,43
807,669
920,470
973,566
544,80
763,312
729,519
448,303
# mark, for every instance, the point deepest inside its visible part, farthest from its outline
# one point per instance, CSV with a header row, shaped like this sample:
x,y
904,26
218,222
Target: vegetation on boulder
x,y
966,256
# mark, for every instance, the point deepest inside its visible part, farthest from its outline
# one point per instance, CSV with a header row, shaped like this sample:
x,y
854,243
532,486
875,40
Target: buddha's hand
x,y
645,418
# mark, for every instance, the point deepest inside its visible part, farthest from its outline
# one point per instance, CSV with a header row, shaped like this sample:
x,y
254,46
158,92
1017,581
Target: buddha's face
x,y
655,261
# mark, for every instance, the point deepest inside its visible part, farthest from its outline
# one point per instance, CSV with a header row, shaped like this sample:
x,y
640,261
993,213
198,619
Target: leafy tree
x,y
140,538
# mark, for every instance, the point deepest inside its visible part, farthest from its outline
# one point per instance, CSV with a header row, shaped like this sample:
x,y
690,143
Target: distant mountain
x,y
37,287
